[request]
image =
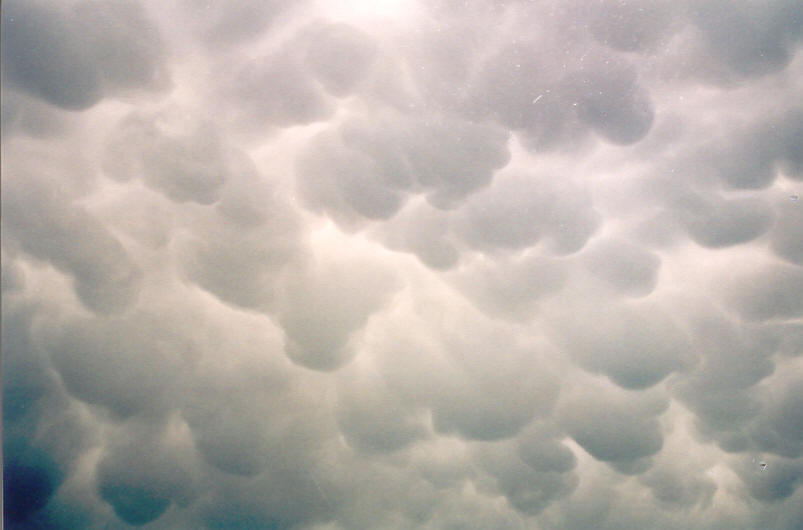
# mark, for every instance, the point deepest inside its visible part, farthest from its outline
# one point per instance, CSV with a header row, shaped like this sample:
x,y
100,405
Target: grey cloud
x,y
323,307
25,366
239,251
43,433
679,490
748,40
635,345
632,26
589,506
671,210
721,389
610,101
518,209
247,416
726,223
233,24
624,266
250,200
771,292
779,429
520,88
240,268
22,114
367,169
444,462
614,426
128,46
335,265
141,474
275,90
144,217
750,157
116,363
49,227
374,418
340,182
512,287
540,449
441,59
74,56
13,276
235,444
787,234
465,395
709,218
340,56
789,336
778,481
188,166
727,44
423,230
527,489
554,91
62,70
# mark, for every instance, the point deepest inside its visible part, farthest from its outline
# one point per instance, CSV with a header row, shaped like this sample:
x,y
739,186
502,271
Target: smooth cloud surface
x,y
331,265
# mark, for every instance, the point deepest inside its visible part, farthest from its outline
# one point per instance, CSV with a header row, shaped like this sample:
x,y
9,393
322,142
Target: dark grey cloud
x,y
333,265
29,479
748,40
141,474
74,55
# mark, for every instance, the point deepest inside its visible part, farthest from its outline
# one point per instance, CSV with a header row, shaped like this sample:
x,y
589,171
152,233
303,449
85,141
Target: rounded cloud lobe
x,y
432,265
74,55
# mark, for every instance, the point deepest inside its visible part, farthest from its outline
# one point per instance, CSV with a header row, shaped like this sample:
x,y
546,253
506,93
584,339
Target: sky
x,y
334,265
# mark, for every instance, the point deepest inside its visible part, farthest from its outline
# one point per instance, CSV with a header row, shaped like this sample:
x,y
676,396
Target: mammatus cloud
x,y
331,265
72,56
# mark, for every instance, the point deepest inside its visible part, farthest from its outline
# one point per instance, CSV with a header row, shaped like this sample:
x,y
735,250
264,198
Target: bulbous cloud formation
x,y
74,54
401,264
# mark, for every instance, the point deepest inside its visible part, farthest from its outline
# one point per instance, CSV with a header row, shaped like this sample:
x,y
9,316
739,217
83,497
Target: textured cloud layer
x,y
332,265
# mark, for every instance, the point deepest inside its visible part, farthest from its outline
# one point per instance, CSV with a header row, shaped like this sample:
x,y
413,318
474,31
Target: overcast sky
x,y
386,264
